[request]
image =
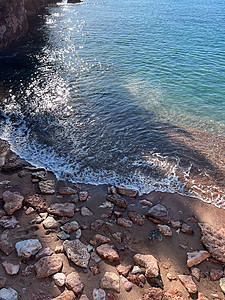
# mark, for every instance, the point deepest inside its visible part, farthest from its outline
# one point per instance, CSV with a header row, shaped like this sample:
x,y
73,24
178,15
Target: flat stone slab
x,y
37,202
13,201
85,212
214,240
77,252
48,265
10,269
149,262
27,248
196,257
62,209
132,193
66,190
188,283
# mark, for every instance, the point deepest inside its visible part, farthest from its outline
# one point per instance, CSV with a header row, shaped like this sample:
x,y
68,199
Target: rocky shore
x,y
60,240
14,18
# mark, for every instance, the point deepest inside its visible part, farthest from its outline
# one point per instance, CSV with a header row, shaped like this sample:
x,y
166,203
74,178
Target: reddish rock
x,y
165,265
8,222
123,270
202,297
74,283
66,190
187,229
48,266
126,284
159,212
176,224
153,293
110,281
10,269
97,224
13,201
149,263
2,282
77,252
135,279
196,257
37,202
62,209
164,229
215,274
66,295
128,192
124,222
107,252
145,202
99,238
171,277
117,214
95,270
84,297
112,296
117,200
188,283
5,242
83,195
47,186
136,218
196,273
142,278
214,240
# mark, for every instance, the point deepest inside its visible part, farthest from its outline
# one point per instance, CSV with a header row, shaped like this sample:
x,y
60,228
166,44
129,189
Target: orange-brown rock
x,y
74,283
159,212
66,295
48,265
128,192
117,200
136,218
159,294
149,262
188,283
215,274
196,257
123,270
107,252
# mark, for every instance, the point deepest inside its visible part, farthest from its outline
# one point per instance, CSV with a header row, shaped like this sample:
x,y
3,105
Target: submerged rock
x,y
124,222
85,212
66,190
136,218
71,226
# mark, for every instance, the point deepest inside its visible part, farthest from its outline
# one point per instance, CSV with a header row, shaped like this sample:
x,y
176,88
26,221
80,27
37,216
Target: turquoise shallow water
x,y
125,92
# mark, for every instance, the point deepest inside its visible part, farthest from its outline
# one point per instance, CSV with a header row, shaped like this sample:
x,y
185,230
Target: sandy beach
x,y
170,252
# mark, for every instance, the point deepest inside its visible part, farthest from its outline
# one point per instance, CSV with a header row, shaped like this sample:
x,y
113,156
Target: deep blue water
x,y
122,92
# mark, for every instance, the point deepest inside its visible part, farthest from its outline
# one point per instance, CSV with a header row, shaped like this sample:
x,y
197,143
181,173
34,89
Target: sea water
x,y
122,92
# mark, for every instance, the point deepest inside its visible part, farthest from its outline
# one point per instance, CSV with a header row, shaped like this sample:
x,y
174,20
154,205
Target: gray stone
x,y
99,294
8,294
27,248
10,269
8,222
63,236
5,242
71,226
66,190
77,252
45,252
85,212
78,233
62,209
83,195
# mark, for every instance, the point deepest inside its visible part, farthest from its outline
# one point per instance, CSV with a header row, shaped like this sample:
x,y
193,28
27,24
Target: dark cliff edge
x,y
14,18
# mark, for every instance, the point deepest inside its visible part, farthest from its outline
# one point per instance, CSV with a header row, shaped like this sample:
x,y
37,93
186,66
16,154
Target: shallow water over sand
x,y
122,93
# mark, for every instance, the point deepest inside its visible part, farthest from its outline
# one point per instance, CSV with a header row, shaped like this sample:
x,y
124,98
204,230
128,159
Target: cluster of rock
x,y
59,216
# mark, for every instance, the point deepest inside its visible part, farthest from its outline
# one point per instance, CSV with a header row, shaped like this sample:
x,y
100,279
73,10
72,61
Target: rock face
x,y
28,248
110,281
48,265
77,252
149,263
107,252
214,240
196,257
13,201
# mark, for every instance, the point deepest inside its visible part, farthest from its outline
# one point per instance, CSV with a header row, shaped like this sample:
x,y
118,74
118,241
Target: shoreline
x,y
25,179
